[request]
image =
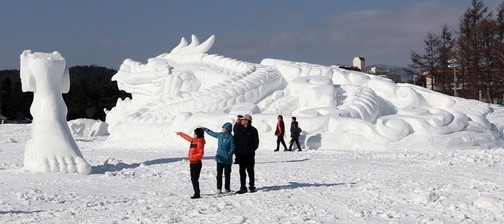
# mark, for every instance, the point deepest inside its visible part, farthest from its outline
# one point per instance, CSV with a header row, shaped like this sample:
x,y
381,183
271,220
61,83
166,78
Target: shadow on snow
x,y
102,169
20,212
294,185
285,161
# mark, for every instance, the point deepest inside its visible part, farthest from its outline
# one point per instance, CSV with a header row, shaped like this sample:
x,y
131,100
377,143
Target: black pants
x,y
247,164
280,139
195,173
227,176
294,139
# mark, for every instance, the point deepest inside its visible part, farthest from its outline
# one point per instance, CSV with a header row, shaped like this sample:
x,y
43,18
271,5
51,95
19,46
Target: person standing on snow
x,y
224,156
247,141
238,121
237,124
280,133
195,155
295,133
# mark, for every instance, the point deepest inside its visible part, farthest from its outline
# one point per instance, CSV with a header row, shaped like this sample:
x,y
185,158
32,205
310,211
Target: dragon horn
x,y
182,45
205,46
195,47
194,41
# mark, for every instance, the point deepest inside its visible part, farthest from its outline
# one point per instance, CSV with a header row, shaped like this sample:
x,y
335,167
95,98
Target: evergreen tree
x,y
7,97
470,45
479,49
498,52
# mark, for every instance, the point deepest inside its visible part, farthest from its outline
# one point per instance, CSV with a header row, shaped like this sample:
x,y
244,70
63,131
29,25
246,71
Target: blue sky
x,y
105,32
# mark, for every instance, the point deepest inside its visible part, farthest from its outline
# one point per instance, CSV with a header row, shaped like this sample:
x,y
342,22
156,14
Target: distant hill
x,y
91,91
80,72
11,74
77,73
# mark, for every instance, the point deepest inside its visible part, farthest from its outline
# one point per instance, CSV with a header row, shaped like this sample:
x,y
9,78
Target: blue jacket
x,y
225,144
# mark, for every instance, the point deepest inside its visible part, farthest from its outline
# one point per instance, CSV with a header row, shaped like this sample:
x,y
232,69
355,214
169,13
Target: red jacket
x,y
196,149
280,129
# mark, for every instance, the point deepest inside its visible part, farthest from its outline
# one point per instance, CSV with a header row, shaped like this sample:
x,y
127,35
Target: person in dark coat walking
x,y
295,132
280,133
224,156
247,141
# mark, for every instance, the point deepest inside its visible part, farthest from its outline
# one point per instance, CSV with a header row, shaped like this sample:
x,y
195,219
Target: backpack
x,y
299,130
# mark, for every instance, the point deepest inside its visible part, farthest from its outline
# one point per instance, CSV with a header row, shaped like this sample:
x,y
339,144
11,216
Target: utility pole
x,y
454,64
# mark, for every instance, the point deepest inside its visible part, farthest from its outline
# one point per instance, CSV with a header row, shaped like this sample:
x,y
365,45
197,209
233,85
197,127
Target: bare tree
x,y
446,52
429,60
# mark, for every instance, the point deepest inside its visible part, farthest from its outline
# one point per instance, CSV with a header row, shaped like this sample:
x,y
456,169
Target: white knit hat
x,y
248,117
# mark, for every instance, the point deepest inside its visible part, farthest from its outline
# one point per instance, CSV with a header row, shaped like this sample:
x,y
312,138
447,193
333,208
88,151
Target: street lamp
x,y
454,64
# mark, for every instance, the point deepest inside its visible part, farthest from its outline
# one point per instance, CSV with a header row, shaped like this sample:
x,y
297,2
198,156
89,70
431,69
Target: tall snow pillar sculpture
x,y
52,147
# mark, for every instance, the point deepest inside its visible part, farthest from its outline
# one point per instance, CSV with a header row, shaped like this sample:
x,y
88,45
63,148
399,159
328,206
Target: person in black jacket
x,y
237,124
247,141
295,132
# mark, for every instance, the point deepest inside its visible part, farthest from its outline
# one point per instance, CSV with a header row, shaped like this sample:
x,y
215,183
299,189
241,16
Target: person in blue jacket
x,y
224,156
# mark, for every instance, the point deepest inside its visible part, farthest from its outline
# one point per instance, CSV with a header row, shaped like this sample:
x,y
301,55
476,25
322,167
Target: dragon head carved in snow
x,y
189,80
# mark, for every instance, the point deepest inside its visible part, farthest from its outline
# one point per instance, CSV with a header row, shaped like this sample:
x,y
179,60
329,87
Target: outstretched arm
x,y
185,136
211,133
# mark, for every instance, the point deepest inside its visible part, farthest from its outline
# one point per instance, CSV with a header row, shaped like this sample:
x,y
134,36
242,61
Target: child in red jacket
x,y
196,151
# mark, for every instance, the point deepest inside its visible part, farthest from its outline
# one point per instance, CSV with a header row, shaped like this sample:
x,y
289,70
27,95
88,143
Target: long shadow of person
x,y
294,185
21,212
285,161
113,167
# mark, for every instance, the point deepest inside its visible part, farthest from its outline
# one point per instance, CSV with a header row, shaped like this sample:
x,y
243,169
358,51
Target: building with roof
x,y
359,62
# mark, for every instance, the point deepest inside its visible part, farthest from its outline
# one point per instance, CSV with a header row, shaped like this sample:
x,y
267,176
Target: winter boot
x,y
242,191
196,196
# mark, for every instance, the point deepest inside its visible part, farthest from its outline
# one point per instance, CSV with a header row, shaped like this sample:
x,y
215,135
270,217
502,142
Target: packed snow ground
x,y
131,185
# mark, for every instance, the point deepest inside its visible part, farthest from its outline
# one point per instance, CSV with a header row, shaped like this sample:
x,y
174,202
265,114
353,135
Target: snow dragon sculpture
x,y
337,108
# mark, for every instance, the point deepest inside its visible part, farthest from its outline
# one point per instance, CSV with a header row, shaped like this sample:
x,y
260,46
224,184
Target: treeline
x,y
91,91
470,64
